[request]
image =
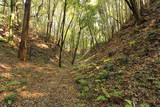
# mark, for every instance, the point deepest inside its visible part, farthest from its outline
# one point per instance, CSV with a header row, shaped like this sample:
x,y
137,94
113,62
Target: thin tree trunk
x,y
39,8
12,7
62,34
23,44
132,4
4,7
75,51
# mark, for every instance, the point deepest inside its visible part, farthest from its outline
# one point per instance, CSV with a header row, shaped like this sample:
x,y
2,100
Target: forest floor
x,y
35,83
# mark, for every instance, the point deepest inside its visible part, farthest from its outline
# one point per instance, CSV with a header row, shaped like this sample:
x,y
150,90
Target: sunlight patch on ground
x,y
41,45
24,65
39,69
27,94
6,75
5,67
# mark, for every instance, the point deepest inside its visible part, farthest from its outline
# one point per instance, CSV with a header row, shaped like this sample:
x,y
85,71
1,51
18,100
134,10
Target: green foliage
x,y
157,61
13,83
85,66
102,75
10,99
2,18
82,82
117,93
129,103
83,94
105,93
132,43
86,88
109,67
144,105
81,105
106,61
92,65
121,70
3,39
98,81
101,98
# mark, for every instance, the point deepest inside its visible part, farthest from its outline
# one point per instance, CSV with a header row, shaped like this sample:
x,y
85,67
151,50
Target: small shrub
x,y
101,98
10,99
105,61
129,103
121,70
109,67
82,82
86,88
102,75
107,95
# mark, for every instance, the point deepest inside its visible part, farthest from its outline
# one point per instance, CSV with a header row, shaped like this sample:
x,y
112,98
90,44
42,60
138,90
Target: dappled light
x,y
4,67
24,65
6,75
35,94
41,45
3,95
40,69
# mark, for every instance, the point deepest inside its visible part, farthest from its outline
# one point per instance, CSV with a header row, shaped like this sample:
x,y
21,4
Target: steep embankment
x,y
127,68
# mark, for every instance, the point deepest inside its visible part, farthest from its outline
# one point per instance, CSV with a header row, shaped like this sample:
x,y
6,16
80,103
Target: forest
x,y
79,53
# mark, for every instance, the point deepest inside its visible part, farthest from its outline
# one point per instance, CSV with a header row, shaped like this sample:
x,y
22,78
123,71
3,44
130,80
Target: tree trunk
x,y
132,4
4,7
62,34
12,7
75,51
23,44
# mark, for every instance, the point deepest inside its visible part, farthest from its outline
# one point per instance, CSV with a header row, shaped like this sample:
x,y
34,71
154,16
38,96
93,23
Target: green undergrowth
x,y
10,85
111,84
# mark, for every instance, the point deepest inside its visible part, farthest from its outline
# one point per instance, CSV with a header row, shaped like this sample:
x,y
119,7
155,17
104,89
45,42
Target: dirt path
x,y
35,85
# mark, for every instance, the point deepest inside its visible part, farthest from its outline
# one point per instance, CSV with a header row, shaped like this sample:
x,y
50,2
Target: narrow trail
x,y
42,85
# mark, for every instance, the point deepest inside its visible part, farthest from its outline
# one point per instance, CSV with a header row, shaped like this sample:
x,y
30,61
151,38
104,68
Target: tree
x,y
62,34
23,44
12,16
136,10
